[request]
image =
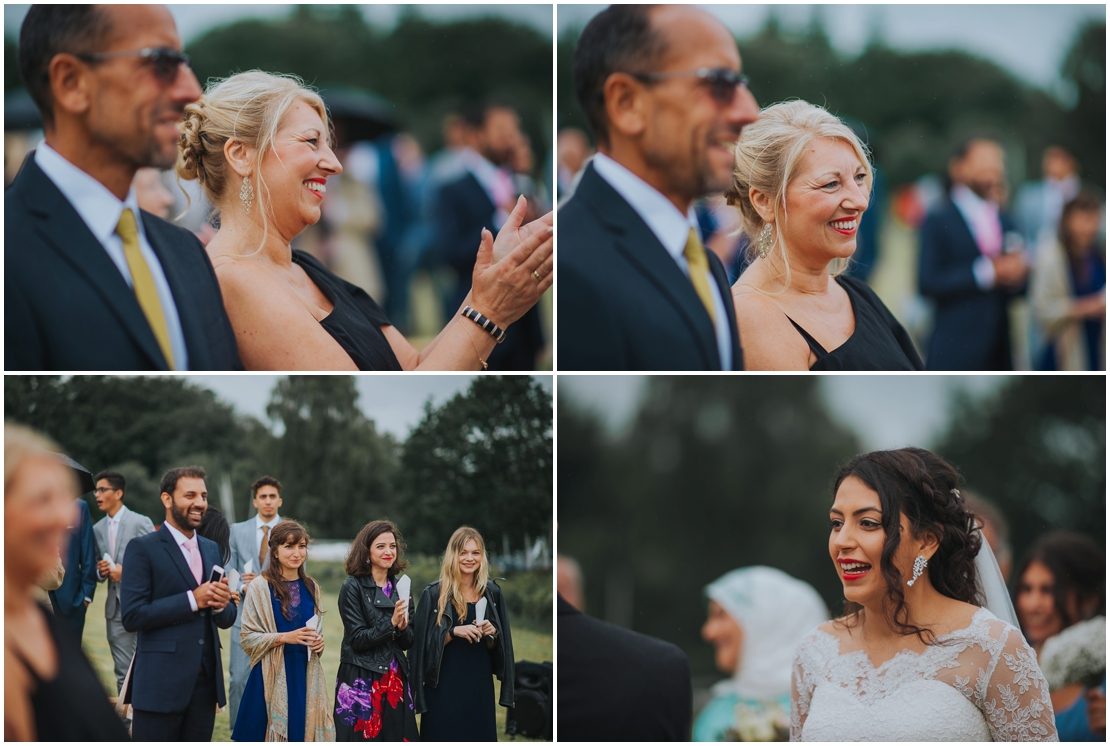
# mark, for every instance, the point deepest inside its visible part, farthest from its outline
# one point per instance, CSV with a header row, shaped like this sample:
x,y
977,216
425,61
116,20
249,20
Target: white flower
x,y
1078,654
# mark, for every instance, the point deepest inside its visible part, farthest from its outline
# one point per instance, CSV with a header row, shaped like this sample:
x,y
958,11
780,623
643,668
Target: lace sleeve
x,y
1015,700
801,691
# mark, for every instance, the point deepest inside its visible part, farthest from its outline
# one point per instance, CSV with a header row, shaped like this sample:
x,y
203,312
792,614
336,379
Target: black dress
x,y
356,320
461,708
878,343
73,706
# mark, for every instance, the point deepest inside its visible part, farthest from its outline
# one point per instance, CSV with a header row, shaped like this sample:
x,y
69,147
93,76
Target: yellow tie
x,y
699,267
143,282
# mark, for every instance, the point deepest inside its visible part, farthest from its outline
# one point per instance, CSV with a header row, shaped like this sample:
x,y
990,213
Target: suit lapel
x,y
178,559
191,326
644,252
58,223
730,310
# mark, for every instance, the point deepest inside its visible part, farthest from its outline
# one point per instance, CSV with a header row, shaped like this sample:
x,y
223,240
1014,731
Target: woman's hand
x,y
1096,712
487,628
305,636
504,290
317,646
235,598
468,632
400,620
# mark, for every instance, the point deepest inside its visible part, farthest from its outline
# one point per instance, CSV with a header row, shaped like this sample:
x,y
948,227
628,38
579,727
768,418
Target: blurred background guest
x,y
1068,289
151,192
966,266
51,692
1039,204
73,596
1060,583
568,579
572,149
996,530
757,617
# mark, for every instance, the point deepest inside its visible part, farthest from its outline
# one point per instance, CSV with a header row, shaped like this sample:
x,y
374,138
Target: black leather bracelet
x,y
488,326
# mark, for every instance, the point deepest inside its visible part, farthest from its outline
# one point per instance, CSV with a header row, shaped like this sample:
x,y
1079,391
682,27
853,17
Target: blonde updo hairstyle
x,y
768,157
248,107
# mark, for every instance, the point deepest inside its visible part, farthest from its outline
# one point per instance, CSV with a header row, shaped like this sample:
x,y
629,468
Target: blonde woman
x,y
259,145
286,698
455,656
802,183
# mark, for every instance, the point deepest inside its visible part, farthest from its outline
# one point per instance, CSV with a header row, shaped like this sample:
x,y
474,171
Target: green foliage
x,y
422,67
1038,451
917,105
483,459
715,474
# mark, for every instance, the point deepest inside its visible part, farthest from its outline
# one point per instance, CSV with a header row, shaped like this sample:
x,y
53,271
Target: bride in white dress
x,y
920,659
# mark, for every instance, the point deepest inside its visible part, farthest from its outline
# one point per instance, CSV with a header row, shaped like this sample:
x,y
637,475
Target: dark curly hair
x,y
923,487
358,560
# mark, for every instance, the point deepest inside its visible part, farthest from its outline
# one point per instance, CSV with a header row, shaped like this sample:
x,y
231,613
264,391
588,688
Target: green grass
x,y
530,642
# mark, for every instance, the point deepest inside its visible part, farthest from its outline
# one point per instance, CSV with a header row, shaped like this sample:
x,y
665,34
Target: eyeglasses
x,y
723,83
165,60
98,490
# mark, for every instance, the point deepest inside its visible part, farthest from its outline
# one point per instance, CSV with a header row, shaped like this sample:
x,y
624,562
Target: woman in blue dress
x,y
285,698
456,656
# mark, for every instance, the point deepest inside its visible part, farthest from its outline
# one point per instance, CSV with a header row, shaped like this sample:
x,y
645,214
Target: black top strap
x,y
814,345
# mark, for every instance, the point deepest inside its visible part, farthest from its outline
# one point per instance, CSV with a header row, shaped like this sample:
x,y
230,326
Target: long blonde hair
x,y
248,107
21,442
450,577
768,157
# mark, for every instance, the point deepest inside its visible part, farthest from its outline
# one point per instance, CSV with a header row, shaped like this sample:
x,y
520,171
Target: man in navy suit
x,y
482,197
972,265
177,679
662,89
91,281
76,592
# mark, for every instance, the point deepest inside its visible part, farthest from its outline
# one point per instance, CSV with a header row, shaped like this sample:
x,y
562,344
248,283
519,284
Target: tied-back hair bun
x,y
190,164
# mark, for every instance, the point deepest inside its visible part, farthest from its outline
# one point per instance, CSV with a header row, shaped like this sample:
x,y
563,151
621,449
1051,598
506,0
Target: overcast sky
x,y
194,20
1031,41
886,411
394,402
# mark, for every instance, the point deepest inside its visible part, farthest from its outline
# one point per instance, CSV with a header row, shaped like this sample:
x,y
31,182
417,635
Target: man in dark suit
x,y
619,685
482,197
971,265
177,679
661,88
76,592
91,281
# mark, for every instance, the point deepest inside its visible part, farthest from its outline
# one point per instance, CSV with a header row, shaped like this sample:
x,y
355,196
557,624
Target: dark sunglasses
x,y
165,60
723,83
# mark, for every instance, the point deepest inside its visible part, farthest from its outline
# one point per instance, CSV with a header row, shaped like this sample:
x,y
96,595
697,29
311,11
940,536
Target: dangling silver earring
x,y
919,566
246,194
766,241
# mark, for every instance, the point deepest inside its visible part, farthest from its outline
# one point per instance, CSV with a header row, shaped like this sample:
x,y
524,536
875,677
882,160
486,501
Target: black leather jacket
x,y
428,651
369,638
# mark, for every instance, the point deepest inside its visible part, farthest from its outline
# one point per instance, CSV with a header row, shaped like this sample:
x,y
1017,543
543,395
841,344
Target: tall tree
x,y
484,459
336,469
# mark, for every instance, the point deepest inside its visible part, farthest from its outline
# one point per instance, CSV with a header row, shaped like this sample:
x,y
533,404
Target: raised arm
x,y
362,634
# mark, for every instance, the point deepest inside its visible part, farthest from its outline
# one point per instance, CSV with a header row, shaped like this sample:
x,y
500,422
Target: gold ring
x,y
536,274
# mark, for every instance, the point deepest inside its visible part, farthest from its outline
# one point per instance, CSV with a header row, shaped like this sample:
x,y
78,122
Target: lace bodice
x,y
981,683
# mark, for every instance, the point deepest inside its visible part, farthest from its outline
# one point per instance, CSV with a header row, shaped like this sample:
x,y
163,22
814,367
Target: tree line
x,y
482,458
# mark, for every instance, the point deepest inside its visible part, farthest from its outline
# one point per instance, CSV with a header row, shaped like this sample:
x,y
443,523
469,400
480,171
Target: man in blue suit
x,y
177,679
971,265
77,589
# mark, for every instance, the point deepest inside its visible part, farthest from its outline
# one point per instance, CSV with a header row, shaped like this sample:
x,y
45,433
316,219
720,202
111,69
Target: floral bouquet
x,y
759,721
1078,654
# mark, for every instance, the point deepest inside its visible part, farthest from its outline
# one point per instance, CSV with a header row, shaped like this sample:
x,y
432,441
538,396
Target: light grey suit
x,y
131,526
246,540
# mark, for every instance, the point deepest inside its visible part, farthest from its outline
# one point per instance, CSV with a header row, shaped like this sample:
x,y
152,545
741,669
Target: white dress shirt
x,y
113,527
488,176
181,538
672,228
974,209
100,210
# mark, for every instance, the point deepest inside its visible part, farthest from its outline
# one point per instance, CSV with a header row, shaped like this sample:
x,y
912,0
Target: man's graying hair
x,y
49,30
618,39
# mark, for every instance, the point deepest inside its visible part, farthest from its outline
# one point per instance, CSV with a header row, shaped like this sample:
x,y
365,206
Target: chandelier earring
x,y
919,566
766,241
246,195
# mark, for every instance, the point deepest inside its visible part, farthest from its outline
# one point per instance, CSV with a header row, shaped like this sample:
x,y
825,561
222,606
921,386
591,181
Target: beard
x,y
181,517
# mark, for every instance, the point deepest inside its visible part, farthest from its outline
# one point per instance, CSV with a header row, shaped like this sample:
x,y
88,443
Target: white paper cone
x,y
108,558
480,610
234,580
249,567
404,584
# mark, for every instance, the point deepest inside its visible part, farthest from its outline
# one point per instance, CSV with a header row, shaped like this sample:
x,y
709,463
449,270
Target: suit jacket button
x,y
201,641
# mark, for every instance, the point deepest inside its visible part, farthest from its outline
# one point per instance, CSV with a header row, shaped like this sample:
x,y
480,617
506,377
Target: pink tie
x,y
112,538
194,557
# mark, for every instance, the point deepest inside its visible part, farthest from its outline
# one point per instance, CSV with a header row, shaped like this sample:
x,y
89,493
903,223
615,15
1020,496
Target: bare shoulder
x,y
769,340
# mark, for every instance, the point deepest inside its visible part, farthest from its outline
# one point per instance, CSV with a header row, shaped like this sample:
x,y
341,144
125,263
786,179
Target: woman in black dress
x,y
373,694
802,183
259,146
456,656
51,692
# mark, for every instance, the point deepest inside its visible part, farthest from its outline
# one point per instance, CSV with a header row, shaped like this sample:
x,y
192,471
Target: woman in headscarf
x,y
757,617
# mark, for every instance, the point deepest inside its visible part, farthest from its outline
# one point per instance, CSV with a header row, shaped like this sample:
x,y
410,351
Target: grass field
x,y
528,644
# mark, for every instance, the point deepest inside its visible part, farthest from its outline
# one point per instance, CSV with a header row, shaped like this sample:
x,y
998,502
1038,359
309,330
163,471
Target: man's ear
x,y
70,85
625,104
167,500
